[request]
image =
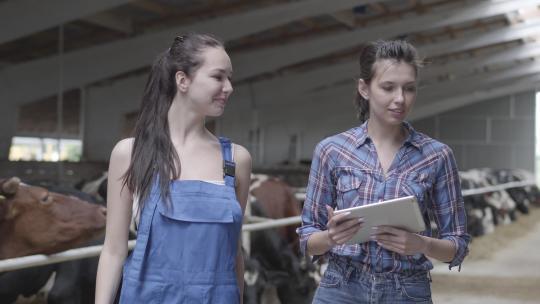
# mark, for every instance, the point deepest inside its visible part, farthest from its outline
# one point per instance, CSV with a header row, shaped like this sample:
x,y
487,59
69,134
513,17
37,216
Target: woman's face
x,y
391,92
210,86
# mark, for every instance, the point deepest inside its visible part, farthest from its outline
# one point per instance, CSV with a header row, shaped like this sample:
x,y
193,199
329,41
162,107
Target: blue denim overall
x,y
186,249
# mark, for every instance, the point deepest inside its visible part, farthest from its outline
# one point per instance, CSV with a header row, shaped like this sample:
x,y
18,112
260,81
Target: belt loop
x,y
347,269
348,273
397,281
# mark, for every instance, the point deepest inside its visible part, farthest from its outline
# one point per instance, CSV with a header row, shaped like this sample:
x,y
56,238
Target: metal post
x,y
60,101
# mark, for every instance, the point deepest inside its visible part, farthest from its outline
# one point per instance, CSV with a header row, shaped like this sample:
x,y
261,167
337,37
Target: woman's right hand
x,y
340,228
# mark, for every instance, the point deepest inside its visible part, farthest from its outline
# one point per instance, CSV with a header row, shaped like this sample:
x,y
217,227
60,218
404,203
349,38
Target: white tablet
x,y
401,213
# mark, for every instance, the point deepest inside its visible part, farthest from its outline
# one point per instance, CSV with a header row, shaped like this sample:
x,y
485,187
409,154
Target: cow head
x,y
34,220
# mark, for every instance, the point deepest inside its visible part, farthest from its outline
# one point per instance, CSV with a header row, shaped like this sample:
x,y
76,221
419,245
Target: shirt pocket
x,y
352,187
414,184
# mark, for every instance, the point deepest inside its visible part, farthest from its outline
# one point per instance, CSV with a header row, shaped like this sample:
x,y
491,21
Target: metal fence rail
x,y
92,251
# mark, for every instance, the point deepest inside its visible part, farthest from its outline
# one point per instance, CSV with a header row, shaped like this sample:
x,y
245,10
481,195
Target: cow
x,y
479,212
503,207
276,200
274,266
34,220
97,187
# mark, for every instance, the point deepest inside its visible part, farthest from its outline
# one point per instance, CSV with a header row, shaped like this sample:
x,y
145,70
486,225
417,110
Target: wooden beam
x,y
282,56
347,18
112,21
153,7
122,56
380,8
19,18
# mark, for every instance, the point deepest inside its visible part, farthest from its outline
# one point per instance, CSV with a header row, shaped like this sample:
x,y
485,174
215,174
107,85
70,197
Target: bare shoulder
x,y
242,156
122,149
242,159
121,156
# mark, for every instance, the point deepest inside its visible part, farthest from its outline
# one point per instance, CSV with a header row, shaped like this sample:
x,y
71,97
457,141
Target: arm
x,y
320,230
117,230
449,212
406,243
339,231
243,178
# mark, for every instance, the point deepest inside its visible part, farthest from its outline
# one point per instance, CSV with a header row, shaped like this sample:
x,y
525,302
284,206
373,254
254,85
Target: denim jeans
x,y
345,283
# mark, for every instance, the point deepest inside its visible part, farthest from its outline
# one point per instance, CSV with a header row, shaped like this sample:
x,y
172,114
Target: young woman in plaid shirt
x,y
383,158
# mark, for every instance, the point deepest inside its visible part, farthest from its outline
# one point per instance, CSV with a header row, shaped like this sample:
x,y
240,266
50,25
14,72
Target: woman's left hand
x,y
399,240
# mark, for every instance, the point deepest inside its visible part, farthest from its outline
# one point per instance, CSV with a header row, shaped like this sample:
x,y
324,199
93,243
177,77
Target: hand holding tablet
x,y
402,213
341,227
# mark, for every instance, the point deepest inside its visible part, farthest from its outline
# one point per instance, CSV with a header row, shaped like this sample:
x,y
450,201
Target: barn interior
x,y
72,75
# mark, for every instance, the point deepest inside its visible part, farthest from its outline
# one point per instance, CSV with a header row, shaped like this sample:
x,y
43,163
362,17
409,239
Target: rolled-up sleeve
x,y
319,193
448,207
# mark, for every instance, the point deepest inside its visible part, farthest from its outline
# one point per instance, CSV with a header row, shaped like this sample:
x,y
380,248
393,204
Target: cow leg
x,y
270,296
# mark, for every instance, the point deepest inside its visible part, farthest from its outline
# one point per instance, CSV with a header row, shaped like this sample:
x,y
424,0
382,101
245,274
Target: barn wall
x,y
497,133
106,106
493,133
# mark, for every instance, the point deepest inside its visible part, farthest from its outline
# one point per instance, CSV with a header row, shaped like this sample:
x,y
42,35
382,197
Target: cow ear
x,y
11,186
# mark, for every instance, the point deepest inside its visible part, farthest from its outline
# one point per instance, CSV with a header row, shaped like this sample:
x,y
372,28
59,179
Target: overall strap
x,y
138,257
228,164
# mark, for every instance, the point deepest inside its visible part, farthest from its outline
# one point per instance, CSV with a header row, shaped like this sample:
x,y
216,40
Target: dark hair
x,y
398,50
153,154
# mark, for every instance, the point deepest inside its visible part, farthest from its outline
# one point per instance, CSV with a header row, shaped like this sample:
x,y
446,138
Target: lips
x,y
397,113
220,101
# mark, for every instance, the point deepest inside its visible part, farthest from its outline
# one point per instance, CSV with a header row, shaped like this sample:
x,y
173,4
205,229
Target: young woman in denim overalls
x,y
382,159
191,188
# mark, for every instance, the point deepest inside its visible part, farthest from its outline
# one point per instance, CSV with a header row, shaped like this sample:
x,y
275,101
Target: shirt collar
x,y
361,135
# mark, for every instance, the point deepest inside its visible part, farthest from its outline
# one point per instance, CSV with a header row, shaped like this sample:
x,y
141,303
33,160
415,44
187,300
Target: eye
x,y
411,89
47,199
388,88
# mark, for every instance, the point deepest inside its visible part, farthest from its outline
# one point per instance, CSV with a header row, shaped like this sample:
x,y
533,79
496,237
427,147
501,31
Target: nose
x,y
400,96
103,211
227,87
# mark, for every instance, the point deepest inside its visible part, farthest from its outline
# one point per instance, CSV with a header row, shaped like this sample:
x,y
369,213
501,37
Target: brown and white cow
x,y
277,200
274,270
36,221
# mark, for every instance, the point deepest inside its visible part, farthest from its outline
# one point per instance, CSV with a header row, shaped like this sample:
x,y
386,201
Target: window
x,y
45,149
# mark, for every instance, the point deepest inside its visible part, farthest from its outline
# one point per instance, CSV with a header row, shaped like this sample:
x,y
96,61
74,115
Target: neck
x,y
384,133
184,123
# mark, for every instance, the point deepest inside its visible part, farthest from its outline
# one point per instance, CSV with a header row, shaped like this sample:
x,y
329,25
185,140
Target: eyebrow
x,y
223,71
392,82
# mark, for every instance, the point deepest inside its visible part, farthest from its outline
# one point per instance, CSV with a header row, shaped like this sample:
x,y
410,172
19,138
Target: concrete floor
x,y
510,275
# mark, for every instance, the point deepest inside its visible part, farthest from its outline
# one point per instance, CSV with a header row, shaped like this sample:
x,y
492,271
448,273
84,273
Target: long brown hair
x,y
153,155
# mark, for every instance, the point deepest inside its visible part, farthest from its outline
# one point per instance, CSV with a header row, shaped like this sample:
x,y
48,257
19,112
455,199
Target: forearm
x,y
240,274
319,243
108,277
442,250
